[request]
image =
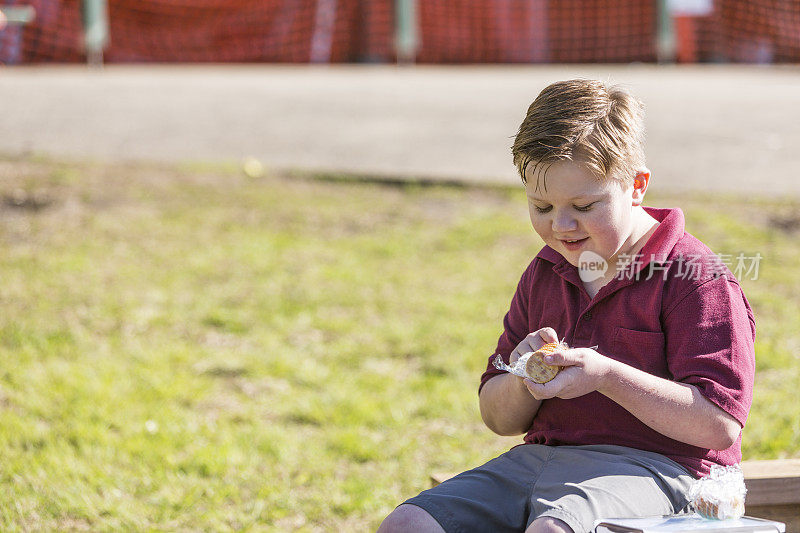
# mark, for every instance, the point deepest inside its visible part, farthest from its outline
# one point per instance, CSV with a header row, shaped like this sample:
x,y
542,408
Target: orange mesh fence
x,y
762,31
449,31
603,31
213,31
510,31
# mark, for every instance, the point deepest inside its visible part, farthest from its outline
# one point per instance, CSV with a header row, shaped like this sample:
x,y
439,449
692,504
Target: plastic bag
x,y
721,494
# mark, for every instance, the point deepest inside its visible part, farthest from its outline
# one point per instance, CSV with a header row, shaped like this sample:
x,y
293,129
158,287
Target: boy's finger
x,y
540,391
557,358
548,335
562,358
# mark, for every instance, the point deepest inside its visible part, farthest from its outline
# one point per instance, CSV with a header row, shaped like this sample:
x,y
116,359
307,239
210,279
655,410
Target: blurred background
x,y
385,31
254,254
399,88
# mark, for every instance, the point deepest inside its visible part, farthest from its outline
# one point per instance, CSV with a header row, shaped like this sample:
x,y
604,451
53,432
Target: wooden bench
x,y
773,490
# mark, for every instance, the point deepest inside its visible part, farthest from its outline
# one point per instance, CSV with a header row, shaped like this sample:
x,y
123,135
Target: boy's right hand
x,y
533,342
507,405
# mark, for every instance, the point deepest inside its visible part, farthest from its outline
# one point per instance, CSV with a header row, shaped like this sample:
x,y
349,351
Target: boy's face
x,y
576,212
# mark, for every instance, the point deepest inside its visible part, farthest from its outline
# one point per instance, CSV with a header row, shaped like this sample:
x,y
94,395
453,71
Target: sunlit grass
x,y
187,348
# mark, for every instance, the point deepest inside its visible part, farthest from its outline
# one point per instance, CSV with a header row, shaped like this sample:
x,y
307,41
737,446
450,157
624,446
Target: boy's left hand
x,y
584,371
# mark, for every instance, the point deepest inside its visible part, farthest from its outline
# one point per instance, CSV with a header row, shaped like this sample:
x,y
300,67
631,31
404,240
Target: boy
x,y
658,382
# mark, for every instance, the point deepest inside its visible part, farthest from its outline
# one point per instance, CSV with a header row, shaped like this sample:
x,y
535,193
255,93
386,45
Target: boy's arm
x,y
677,410
507,408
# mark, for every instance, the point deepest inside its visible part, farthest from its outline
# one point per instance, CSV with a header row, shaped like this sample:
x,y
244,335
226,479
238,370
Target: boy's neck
x,y
644,225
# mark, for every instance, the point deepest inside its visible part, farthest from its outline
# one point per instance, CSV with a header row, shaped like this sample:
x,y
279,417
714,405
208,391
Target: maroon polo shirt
x,y
677,312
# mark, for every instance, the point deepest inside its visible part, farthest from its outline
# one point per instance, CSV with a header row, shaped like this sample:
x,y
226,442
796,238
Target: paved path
x,y
723,128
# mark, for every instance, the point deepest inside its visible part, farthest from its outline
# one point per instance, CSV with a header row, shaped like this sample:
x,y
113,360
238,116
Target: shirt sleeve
x,y
515,325
710,336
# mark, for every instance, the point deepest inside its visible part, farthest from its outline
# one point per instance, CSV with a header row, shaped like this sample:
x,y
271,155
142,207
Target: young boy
x,y
657,384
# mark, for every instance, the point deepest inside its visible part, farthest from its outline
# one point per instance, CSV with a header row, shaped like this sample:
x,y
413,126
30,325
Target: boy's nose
x,y
563,222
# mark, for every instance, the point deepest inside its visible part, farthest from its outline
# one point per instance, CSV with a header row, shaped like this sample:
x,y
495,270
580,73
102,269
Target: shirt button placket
x,y
583,330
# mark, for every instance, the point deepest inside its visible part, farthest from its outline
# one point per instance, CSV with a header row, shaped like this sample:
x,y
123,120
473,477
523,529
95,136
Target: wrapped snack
x,y
720,495
531,365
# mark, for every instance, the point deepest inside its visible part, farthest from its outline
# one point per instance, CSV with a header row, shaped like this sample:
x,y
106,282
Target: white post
x,y
666,45
18,15
406,31
95,30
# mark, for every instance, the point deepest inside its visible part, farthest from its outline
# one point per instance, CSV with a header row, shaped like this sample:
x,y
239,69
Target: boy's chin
x,y
574,257
586,260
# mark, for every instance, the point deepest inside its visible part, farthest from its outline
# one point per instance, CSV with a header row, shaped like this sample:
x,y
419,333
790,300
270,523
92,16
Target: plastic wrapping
x,y
721,494
540,371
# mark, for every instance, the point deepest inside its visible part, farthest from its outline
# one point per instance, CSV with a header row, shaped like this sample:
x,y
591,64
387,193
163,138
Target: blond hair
x,y
585,121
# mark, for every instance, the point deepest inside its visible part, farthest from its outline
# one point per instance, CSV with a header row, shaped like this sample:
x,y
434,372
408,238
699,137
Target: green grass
x,y
185,348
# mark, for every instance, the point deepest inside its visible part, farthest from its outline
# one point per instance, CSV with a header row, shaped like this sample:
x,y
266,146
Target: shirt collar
x,y
671,229
548,254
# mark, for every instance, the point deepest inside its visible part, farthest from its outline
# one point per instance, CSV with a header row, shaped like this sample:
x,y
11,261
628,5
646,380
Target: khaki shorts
x,y
575,484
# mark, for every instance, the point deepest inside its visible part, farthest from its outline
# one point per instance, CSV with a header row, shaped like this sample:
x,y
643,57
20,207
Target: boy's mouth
x,y
573,244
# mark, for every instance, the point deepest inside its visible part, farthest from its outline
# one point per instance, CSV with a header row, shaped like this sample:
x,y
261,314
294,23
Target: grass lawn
x,y
186,348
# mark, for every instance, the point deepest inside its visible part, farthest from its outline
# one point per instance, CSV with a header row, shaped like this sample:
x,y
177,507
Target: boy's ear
x,y
640,183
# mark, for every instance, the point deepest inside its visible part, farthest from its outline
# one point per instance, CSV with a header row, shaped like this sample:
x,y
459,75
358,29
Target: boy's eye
x,y
543,209
586,207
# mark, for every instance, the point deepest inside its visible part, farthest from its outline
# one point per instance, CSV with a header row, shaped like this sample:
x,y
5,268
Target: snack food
x,y
719,510
721,494
536,368
540,372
